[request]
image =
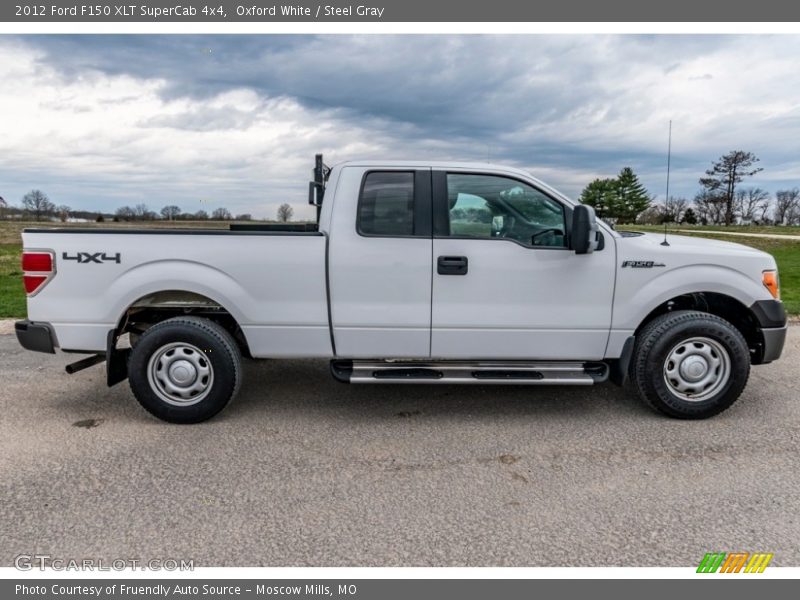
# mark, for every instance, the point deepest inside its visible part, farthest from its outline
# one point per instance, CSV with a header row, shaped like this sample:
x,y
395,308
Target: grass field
x,y
12,296
786,253
779,230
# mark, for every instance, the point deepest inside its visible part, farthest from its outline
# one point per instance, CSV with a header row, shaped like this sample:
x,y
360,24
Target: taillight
x,y
38,267
37,261
33,282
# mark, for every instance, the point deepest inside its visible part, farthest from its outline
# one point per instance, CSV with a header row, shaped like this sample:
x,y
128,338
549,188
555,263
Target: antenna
x,y
669,160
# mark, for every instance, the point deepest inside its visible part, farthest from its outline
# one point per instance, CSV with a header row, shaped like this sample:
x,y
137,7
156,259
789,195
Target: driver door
x,y
505,283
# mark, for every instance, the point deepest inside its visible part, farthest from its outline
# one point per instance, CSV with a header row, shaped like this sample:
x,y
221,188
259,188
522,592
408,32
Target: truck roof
x,y
435,164
460,165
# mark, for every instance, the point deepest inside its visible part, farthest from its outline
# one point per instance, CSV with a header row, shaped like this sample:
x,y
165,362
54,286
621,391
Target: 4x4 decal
x,y
92,257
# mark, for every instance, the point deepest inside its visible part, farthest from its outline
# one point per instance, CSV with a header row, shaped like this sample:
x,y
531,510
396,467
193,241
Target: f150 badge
x,y
642,264
92,257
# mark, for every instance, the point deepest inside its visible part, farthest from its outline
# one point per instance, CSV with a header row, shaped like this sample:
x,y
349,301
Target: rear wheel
x,y
185,370
690,365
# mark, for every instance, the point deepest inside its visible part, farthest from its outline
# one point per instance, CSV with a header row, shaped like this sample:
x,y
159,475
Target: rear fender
x,y
185,276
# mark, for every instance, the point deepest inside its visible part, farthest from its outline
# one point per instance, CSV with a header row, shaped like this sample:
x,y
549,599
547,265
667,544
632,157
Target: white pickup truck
x,y
416,272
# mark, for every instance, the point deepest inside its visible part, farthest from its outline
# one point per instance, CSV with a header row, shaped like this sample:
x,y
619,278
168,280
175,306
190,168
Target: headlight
x,y
772,283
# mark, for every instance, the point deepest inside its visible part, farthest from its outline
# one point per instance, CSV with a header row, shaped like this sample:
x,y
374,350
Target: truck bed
x,y
271,280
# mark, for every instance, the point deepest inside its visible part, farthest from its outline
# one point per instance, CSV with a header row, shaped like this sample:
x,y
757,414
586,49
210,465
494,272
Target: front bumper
x,y
769,313
38,337
774,339
771,316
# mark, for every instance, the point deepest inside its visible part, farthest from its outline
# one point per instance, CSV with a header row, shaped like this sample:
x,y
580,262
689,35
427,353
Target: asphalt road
x,y
301,470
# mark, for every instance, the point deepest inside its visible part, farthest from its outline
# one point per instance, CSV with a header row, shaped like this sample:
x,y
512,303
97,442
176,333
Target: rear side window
x,y
386,205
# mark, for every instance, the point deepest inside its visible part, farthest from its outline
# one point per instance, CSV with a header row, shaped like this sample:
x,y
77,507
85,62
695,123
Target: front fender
x,y
636,299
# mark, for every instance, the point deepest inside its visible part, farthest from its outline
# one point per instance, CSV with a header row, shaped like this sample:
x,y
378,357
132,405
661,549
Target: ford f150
x,y
415,272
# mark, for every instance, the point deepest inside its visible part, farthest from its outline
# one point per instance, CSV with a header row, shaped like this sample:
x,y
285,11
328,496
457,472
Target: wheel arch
x,y
721,305
156,306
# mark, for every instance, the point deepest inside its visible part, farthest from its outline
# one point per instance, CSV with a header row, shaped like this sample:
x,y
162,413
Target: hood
x,y
651,242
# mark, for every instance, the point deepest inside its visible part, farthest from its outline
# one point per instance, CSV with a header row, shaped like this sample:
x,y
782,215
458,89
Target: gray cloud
x,y
237,118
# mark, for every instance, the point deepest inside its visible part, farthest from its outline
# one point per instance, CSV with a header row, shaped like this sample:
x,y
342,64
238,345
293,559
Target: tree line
x,y
721,200
172,212
621,200
38,206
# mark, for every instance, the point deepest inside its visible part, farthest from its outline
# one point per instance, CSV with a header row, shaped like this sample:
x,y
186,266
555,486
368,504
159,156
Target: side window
x,y
470,215
386,205
488,206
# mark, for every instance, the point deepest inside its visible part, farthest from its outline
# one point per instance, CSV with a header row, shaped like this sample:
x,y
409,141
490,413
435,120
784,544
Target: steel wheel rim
x,y
180,374
697,368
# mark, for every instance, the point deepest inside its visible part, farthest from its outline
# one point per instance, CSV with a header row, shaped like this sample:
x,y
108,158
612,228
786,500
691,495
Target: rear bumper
x,y
38,337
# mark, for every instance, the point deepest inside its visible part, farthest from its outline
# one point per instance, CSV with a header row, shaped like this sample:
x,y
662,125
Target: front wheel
x,y
690,365
185,370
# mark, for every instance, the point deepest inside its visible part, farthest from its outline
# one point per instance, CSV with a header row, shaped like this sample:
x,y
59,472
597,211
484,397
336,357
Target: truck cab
x,y
460,262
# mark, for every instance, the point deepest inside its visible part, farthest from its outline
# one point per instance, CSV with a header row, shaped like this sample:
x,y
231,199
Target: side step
x,y
483,372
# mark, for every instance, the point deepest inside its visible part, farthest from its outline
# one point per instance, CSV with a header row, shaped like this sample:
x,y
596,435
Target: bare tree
x,y
63,212
171,212
124,213
749,204
652,215
725,174
763,214
38,204
786,205
221,214
674,209
201,215
143,213
244,217
709,207
285,213
3,207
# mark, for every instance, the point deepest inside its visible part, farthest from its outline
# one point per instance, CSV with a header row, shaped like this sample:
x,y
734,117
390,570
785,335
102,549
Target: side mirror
x,y
585,233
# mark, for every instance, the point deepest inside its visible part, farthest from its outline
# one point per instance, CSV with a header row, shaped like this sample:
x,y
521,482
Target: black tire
x,y
665,347
188,346
133,339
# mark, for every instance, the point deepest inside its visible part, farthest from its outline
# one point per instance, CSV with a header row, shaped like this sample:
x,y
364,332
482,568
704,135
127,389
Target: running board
x,y
481,372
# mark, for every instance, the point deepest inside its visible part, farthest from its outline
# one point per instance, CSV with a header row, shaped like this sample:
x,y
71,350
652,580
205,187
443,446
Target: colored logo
x,y
734,562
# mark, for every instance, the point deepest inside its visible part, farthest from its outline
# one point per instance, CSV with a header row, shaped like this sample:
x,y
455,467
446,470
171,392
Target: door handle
x,y
452,265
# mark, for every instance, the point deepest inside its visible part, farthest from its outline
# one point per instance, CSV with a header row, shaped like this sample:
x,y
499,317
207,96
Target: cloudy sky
x,y
205,121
